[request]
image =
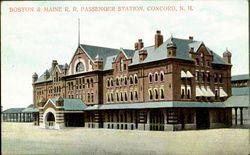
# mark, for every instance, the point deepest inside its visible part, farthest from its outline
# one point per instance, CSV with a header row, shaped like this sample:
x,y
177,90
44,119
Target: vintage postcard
x,y
124,77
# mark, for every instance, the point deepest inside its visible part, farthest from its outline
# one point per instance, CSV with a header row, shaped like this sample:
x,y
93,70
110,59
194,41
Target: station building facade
x,y
176,84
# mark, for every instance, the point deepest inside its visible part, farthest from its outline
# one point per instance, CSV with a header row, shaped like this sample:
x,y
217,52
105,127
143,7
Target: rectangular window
x,y
92,97
220,78
125,67
208,77
196,76
202,76
88,97
208,63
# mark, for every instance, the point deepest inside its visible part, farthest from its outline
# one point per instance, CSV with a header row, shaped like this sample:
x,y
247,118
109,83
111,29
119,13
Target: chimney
x,y
191,38
140,44
158,39
54,63
142,55
136,46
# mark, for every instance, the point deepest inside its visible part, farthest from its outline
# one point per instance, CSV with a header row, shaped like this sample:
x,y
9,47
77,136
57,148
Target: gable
x,y
49,104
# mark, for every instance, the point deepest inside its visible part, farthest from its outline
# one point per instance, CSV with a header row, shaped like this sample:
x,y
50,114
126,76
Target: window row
x,y
39,92
122,81
185,92
121,96
156,77
80,84
90,97
200,62
57,78
156,93
201,76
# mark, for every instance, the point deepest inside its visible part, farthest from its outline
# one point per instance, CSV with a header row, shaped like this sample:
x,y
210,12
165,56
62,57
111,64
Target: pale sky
x,y
30,41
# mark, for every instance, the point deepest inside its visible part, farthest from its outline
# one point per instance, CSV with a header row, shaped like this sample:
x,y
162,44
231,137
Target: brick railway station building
x,y
176,84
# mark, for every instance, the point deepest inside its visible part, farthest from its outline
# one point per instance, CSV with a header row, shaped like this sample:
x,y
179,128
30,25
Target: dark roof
x,y
147,105
71,104
13,110
103,52
41,78
153,54
237,101
240,77
240,91
182,52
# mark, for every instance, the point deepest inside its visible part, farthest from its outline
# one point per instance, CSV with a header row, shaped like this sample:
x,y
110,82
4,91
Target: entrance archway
x,y
50,120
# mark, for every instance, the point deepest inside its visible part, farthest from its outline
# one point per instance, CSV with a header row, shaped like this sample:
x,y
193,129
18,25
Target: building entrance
x,y
50,120
156,120
202,118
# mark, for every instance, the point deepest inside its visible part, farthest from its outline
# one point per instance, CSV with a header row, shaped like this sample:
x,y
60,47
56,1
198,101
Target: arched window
x,y
108,83
136,95
108,97
79,67
92,83
117,82
117,97
121,80
121,97
162,76
112,97
150,95
162,94
156,77
131,96
111,82
72,85
125,80
188,94
150,78
125,96
182,93
156,94
131,80
88,83
121,64
215,78
136,80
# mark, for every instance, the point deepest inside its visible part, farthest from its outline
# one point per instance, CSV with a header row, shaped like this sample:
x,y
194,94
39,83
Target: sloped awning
x,y
223,93
183,74
189,74
211,94
199,93
204,91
